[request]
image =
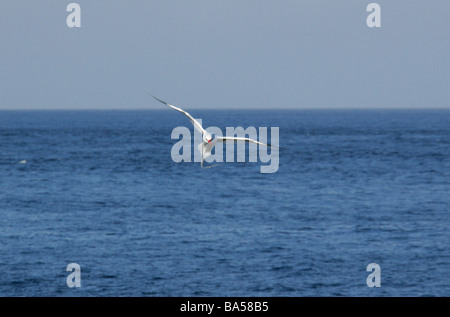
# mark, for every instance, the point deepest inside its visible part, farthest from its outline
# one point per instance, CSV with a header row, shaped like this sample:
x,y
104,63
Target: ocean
x,y
100,189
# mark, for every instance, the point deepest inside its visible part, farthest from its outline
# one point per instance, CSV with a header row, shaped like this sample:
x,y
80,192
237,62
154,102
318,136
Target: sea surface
x,y
100,189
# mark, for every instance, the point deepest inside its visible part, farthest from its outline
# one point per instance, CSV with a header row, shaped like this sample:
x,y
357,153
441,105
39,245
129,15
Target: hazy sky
x,y
224,54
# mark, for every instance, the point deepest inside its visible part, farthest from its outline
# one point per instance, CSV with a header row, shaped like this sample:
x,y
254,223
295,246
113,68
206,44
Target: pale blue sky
x,y
224,54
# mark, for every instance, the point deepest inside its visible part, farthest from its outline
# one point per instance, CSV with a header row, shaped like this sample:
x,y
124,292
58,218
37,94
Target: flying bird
x,y
208,142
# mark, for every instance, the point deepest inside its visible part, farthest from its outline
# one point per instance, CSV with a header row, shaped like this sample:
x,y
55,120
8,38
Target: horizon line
x,y
233,108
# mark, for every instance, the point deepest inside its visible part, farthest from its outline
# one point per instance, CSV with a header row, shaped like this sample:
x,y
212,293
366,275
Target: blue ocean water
x,y
100,189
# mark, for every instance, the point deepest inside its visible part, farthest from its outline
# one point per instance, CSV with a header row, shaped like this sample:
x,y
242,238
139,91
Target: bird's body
x,y
208,142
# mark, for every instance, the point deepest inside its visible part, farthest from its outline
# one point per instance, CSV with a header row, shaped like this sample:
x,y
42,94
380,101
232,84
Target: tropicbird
x,y
208,142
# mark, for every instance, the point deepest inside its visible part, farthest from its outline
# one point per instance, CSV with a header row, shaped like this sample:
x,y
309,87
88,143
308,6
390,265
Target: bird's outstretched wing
x,y
222,138
196,124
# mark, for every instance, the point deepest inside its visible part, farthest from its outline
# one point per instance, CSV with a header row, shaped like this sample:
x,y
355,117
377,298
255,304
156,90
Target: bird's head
x,y
208,138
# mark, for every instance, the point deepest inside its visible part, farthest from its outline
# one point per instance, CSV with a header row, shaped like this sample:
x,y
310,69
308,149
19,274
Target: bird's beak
x,y
209,141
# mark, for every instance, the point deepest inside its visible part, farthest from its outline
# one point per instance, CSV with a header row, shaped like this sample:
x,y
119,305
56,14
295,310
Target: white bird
x,y
208,142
